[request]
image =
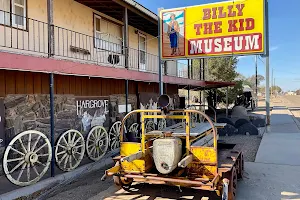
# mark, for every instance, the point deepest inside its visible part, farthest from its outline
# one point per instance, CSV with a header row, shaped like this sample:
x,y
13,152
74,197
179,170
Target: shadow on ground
x,y
151,192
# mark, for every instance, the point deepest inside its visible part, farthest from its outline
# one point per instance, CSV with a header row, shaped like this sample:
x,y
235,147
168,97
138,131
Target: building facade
x,y
93,58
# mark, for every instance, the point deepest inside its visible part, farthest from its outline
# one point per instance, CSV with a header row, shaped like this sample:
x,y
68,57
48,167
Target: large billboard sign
x,y
226,28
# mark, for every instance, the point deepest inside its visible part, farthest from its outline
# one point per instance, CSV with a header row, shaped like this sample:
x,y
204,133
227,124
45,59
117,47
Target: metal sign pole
x,y
161,84
268,120
256,83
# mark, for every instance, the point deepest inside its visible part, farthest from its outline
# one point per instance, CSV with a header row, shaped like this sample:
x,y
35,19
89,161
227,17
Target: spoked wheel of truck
x,y
122,182
194,116
69,150
27,158
114,135
134,128
97,143
162,123
232,187
150,126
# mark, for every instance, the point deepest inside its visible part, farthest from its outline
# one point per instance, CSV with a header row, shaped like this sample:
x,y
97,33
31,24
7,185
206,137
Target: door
x,y
142,52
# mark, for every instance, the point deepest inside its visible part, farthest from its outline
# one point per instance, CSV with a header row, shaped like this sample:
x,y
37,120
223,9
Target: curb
x,y
294,118
54,182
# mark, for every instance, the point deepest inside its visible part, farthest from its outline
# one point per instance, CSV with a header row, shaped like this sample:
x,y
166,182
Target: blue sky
x,y
284,39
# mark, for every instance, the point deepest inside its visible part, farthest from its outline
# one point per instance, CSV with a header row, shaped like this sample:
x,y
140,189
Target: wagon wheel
x,y
97,143
125,183
162,124
232,187
150,126
114,135
69,150
194,116
28,151
241,166
134,128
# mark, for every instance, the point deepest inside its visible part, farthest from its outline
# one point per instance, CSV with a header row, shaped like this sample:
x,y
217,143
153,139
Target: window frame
x,y
11,14
139,49
95,15
14,17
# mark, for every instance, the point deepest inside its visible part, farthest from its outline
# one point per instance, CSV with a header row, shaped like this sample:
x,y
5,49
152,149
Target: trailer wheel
x,y
240,166
232,187
125,183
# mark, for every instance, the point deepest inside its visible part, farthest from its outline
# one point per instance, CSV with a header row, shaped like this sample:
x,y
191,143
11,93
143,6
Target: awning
x,y
138,16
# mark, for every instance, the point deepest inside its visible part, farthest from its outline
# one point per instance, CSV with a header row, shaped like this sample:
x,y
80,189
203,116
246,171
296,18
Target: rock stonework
x,y
32,112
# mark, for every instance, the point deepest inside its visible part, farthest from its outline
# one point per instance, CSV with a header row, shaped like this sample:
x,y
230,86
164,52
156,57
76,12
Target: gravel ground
x,y
247,144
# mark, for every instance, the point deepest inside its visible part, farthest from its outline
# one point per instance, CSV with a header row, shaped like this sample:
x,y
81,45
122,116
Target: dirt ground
x,y
247,144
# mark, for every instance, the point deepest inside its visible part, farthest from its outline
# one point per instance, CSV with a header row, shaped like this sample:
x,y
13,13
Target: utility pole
x,y
275,88
272,84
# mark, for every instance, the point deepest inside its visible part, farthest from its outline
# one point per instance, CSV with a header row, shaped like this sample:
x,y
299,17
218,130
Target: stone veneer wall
x,y
32,112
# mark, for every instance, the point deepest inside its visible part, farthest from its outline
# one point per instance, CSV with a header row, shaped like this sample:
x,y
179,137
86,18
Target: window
x,y
142,52
108,35
5,12
13,13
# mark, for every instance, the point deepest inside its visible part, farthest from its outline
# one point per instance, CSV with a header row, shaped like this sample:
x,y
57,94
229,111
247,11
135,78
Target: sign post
x,y
268,117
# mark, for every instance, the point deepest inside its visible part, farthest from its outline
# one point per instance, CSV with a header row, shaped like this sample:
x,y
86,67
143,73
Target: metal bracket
x,y
132,157
225,189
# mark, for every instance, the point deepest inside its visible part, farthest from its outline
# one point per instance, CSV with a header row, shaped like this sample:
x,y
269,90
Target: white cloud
x,y
274,48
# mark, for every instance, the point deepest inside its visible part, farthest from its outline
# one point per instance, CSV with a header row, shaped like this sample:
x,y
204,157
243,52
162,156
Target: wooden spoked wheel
x,y
125,183
97,143
69,150
232,187
150,126
162,123
134,128
114,135
241,164
27,158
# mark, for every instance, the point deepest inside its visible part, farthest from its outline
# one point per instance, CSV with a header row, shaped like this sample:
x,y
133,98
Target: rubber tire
x,y
259,123
228,130
225,120
231,175
241,164
248,128
241,122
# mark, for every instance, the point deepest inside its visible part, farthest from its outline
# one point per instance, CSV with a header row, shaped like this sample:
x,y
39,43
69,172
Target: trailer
x,y
186,154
